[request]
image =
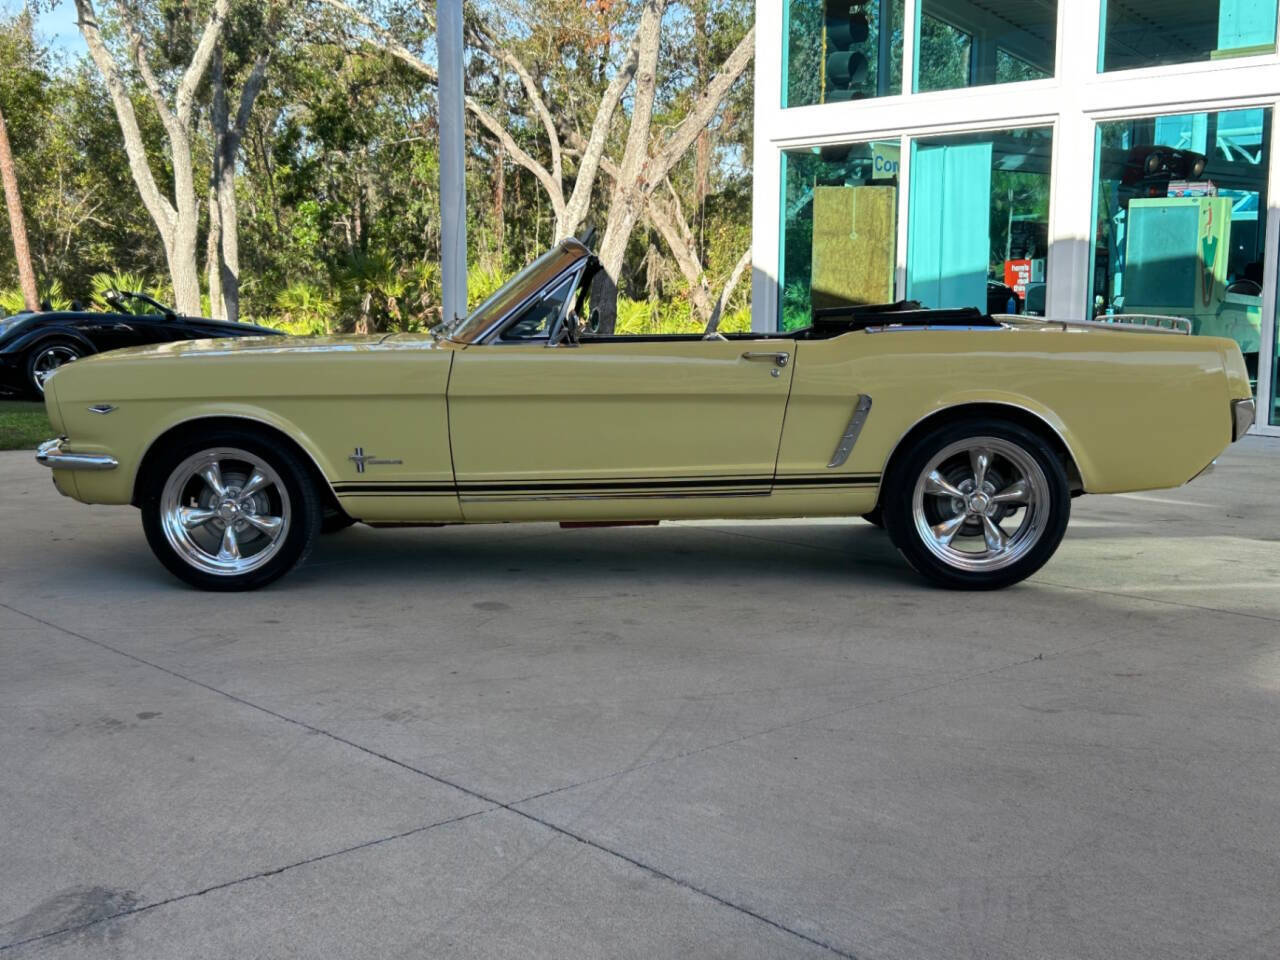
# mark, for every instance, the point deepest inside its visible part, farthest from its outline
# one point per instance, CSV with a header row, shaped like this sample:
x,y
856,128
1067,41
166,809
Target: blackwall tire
x,y
977,504
229,510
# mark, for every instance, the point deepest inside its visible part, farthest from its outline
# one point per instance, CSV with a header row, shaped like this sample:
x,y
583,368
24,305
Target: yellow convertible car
x,y
965,436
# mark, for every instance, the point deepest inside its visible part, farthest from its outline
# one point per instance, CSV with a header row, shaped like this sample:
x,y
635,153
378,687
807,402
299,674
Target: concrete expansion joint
x,y
492,804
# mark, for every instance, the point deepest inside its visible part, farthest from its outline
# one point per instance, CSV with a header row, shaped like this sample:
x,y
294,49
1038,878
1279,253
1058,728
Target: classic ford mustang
x,y
965,436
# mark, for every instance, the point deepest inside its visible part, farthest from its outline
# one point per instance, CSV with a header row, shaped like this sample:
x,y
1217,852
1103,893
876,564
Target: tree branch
x,y
200,62
491,45
161,210
593,149
703,109
140,62
249,93
739,269
552,185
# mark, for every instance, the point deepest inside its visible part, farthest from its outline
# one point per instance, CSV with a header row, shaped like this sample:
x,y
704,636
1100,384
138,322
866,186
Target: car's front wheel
x,y
45,359
977,505
229,511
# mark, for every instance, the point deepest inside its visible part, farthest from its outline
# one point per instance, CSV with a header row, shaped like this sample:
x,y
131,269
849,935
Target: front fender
x,y
30,338
131,432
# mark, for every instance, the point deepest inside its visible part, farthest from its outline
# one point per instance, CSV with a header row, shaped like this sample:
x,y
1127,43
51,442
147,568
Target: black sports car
x,y
33,345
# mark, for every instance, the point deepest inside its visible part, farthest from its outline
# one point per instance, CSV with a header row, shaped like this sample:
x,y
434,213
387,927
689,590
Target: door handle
x,y
781,359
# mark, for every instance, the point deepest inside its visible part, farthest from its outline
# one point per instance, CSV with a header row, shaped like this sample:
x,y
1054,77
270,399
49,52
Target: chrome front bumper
x,y
1243,413
51,454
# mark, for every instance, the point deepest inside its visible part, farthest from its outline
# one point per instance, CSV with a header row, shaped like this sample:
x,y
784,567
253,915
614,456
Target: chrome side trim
x,y
618,496
861,409
930,328
1243,416
51,455
103,408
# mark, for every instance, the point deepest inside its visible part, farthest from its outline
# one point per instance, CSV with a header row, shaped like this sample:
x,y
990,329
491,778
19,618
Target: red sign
x,y
1017,274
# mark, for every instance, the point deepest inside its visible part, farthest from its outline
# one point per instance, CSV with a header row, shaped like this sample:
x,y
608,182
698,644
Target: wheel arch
x,y
38,337
205,423
1024,416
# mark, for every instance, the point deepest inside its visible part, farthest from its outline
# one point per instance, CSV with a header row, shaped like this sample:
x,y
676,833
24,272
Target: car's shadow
x,y
695,553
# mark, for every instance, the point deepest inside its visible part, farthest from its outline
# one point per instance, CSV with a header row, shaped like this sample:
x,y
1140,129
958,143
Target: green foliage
x,y
23,426
126,281
305,309
482,283
337,179
11,301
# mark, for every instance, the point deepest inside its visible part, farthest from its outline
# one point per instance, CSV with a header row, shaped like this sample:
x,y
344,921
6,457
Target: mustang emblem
x,y
361,460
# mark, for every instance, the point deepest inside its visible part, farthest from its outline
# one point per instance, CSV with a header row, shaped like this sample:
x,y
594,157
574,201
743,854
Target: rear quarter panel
x,y
1137,411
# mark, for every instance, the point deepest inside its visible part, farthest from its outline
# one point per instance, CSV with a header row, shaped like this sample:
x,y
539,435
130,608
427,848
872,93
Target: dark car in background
x,y
33,345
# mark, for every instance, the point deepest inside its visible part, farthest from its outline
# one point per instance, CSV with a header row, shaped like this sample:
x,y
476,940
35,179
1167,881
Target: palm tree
x,y
17,225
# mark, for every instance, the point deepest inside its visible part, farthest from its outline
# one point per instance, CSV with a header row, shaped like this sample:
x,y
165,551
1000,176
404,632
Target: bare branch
x,y
593,149
200,62
249,93
138,55
739,269
551,183
703,109
161,210
670,224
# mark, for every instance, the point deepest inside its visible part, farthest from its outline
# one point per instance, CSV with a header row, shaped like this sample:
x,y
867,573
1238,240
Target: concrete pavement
x,y
704,740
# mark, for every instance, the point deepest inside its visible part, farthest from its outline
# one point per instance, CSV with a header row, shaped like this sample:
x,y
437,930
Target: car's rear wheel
x,y
229,511
977,505
45,359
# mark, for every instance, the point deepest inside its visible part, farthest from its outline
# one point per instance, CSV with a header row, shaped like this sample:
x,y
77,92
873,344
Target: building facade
x,y
1082,159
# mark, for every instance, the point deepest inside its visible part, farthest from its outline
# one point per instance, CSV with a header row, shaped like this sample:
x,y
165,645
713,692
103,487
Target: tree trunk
x,y
176,221
17,224
628,195
213,256
230,260
180,252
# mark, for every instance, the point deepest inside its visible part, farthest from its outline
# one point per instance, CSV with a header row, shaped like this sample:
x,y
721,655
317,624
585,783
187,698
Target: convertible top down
x,y
965,435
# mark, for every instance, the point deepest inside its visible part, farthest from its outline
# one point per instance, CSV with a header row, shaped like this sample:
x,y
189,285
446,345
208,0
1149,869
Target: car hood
x,y
275,344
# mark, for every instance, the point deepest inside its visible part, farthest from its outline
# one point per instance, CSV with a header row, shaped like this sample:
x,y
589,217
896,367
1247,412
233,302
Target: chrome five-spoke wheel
x,y
229,511
978,504
225,511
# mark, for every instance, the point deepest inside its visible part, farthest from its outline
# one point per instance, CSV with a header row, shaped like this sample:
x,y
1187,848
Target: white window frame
x,y
1073,103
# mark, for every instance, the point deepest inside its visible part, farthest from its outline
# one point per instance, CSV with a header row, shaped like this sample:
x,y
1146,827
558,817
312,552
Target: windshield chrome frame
x,y
492,334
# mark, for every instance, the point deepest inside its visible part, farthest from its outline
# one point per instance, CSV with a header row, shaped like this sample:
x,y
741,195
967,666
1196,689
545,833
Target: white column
x,y
1271,267
766,184
1071,218
453,184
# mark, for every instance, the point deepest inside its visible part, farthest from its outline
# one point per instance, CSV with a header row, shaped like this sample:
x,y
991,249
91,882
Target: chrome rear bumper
x,y
51,454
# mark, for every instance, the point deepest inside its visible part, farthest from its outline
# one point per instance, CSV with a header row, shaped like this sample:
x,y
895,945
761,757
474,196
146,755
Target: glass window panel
x,y
1177,232
841,50
839,228
1138,33
978,222
968,43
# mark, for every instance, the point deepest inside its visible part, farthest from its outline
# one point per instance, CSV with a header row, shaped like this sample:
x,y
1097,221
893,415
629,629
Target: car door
x,y
565,429
113,331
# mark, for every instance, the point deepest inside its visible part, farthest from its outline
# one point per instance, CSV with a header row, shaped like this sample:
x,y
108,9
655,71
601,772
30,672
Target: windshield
x,y
515,291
